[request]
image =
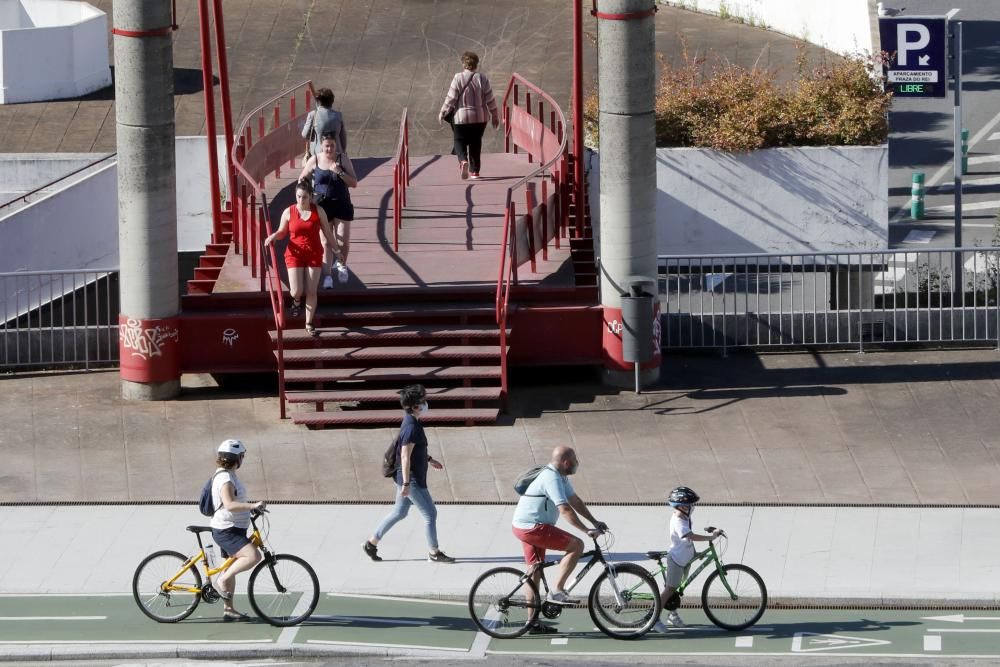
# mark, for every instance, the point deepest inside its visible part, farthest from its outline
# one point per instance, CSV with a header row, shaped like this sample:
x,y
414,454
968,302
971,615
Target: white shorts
x,y
675,572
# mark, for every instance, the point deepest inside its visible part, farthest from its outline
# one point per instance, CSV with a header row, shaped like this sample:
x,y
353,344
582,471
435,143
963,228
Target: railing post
x,y
244,221
277,122
527,107
252,249
516,95
529,223
291,117
513,240
544,212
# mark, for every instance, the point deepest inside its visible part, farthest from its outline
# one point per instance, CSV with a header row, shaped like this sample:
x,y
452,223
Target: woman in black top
x,y
411,476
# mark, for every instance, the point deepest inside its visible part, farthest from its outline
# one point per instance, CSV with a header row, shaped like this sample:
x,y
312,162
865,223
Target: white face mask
x,y
424,408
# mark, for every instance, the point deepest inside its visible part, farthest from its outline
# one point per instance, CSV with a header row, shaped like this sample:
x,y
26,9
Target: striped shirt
x,y
477,104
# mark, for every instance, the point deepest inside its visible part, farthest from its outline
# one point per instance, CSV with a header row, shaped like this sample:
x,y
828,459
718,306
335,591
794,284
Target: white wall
x,y
13,15
77,226
67,58
777,200
843,26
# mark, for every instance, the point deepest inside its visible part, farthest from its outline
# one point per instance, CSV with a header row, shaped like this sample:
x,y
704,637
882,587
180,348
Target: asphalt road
x,y
921,139
441,629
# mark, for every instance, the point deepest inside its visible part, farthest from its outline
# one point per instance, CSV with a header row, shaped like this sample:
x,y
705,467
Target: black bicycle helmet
x,y
682,495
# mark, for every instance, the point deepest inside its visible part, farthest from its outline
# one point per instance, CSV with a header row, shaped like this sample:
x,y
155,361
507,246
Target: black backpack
x,y
390,464
205,504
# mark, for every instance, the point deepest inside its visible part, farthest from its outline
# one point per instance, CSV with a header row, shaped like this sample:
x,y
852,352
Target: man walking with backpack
x,y
549,496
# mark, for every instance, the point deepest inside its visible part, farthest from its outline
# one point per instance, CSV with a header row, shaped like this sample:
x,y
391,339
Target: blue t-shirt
x,y
412,430
554,489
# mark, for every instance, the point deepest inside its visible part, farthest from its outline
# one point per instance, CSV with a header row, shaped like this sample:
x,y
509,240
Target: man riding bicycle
x,y
547,498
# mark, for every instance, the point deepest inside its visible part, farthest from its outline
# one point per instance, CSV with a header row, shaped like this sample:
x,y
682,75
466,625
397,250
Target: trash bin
x,y
637,322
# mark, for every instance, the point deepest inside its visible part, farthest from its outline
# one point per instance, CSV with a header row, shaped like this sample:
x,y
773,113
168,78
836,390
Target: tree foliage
x,y
733,108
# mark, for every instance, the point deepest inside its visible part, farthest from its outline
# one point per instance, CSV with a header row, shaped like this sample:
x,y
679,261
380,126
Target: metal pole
x,y
227,109
209,91
578,113
956,63
147,203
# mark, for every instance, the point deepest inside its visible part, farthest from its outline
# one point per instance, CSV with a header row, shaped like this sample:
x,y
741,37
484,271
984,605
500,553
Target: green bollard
x,y
965,151
917,196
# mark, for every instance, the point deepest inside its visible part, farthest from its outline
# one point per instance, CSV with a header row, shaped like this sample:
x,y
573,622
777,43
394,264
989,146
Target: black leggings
x,y
469,143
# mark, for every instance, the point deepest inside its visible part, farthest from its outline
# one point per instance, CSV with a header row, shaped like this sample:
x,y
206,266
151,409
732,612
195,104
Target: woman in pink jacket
x,y
471,100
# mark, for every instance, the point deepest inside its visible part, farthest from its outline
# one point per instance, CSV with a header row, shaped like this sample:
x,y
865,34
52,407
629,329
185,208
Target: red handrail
x,y
400,177
255,156
522,129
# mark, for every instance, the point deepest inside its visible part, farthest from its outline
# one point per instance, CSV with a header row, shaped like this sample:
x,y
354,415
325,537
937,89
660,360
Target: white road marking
x,y
363,596
963,629
994,136
984,159
370,619
53,618
812,642
960,618
559,641
287,636
972,182
408,646
744,642
919,236
932,642
975,206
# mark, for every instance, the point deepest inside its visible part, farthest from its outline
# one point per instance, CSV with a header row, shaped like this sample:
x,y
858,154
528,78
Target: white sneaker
x,y
674,620
562,597
343,275
661,628
328,282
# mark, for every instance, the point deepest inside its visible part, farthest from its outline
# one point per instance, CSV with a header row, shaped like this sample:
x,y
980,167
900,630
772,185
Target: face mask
x,y
424,408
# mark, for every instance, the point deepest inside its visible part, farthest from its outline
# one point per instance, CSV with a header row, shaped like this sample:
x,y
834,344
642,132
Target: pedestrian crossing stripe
x,y
811,642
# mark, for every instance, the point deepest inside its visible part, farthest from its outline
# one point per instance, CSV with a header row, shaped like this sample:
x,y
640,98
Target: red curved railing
x,y
268,138
525,235
400,177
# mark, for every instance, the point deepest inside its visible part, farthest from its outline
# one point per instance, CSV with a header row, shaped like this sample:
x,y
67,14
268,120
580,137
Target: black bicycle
x,y
624,601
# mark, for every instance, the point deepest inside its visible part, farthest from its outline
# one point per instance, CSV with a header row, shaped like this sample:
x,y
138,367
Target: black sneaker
x,y
440,557
541,629
371,551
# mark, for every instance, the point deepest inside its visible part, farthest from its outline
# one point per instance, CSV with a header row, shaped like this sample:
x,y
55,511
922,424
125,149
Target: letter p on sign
x,y
905,45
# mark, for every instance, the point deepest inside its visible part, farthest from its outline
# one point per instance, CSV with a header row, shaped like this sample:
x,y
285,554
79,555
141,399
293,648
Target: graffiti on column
x,y
148,342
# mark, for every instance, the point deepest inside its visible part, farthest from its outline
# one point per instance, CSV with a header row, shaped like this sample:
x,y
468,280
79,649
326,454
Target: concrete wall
x,y
52,49
775,200
77,226
843,26
21,173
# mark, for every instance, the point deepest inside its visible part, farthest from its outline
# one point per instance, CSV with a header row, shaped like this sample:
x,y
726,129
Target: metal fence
x,y
830,299
54,319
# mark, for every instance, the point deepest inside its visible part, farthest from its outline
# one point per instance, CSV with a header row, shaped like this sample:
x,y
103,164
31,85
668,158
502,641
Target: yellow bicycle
x,y
283,589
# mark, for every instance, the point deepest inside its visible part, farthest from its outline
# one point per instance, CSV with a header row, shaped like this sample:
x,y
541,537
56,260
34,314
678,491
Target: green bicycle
x,y
734,596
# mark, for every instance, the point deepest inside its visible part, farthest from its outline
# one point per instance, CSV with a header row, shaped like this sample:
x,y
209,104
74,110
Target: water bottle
x,y
210,556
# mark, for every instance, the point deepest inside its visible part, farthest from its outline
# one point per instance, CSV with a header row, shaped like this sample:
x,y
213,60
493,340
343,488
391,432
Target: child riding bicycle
x,y
682,550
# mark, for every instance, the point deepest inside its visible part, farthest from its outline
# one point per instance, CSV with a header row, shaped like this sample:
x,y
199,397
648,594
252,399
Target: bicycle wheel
x,y
741,609
502,604
283,589
640,599
161,605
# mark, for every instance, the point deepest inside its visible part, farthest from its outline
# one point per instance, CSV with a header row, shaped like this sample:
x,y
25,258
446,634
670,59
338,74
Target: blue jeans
x,y
420,497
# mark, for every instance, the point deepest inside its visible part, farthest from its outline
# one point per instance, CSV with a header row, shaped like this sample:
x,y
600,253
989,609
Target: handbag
x,y
310,137
450,116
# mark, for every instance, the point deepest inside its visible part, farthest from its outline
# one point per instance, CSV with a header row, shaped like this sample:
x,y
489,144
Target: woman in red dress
x,y
303,223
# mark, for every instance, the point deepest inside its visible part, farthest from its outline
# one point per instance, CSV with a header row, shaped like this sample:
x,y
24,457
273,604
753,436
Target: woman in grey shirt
x,y
324,119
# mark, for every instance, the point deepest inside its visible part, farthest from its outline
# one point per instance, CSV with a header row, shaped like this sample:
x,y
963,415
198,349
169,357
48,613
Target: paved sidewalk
x,y
832,554
887,427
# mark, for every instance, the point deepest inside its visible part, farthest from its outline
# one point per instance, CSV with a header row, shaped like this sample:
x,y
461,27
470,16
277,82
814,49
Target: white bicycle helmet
x,y
233,447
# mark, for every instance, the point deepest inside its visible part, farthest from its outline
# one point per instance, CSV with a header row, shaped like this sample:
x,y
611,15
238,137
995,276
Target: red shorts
x,y
536,540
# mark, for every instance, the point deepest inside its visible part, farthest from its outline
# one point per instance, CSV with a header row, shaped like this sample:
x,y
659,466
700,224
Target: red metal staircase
x,y
364,355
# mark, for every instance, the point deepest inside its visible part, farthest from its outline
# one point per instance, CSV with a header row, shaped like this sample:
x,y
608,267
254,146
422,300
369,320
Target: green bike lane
x,y
380,624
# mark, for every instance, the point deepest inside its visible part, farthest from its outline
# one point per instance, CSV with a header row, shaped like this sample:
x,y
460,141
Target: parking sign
x,y
918,49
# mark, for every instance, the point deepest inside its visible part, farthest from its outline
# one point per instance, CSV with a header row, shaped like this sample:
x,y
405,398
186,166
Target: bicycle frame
x,y
595,556
200,557
707,557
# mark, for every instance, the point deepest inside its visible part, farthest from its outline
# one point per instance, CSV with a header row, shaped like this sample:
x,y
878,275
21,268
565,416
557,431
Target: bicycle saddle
x,y
199,529
657,555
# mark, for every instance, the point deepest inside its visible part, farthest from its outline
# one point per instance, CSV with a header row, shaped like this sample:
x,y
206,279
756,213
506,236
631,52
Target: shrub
x,y
733,108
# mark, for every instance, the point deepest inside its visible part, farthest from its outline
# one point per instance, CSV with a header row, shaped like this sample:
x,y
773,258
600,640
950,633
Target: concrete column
x,y
147,209
626,77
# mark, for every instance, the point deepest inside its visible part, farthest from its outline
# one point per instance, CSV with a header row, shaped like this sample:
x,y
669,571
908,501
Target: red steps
x,y
364,354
